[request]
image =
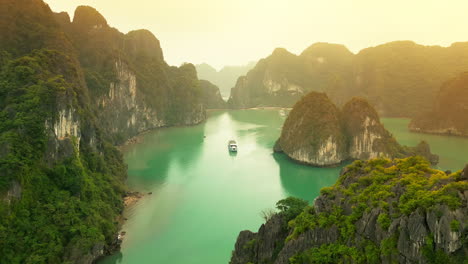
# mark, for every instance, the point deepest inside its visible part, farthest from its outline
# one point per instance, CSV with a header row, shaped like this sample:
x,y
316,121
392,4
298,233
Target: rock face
x,y
212,98
348,222
69,91
316,132
401,79
367,137
129,81
275,81
313,132
449,115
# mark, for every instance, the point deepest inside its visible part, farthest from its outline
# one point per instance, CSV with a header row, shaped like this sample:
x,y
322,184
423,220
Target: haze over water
x,y
203,195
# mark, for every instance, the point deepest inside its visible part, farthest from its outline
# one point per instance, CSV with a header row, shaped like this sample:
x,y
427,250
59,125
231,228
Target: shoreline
x,y
435,133
130,199
139,137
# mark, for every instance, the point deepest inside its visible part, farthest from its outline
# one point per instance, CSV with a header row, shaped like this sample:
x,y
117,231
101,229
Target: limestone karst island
x,y
235,132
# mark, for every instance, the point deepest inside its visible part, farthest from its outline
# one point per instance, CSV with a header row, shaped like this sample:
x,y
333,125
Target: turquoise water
x,y
452,151
203,195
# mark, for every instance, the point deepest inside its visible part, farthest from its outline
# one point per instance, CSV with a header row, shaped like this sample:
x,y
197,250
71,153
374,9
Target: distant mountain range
x,y
400,79
226,78
449,114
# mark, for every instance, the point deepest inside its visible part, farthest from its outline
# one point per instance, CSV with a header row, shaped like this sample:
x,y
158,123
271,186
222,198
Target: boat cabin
x,y
232,146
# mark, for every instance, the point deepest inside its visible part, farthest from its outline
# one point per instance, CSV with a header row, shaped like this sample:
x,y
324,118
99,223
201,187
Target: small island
x,y
316,132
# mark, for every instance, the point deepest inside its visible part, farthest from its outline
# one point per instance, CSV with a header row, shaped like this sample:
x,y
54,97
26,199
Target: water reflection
x,y
202,196
268,124
160,151
452,150
117,258
304,181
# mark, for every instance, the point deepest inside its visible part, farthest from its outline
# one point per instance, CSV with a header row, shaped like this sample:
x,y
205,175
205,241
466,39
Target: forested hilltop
x,y
401,79
318,133
449,113
69,91
131,86
379,211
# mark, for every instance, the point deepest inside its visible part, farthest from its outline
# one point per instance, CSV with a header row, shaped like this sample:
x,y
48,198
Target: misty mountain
x,y
449,114
226,78
400,79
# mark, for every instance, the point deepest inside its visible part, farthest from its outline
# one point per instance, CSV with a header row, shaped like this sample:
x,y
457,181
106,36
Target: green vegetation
x,y
401,79
67,204
328,254
147,92
250,244
384,221
390,188
388,246
313,121
318,133
455,225
291,207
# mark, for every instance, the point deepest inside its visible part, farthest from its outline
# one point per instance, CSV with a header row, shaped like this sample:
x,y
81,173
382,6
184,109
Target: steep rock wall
x,y
212,98
130,84
317,133
382,230
122,111
313,132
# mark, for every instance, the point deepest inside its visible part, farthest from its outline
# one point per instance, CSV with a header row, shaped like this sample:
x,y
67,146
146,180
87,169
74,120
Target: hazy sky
x,y
235,32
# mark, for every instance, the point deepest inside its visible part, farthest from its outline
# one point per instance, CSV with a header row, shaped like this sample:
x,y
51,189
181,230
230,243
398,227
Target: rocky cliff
x,y
449,115
212,98
316,132
367,137
61,182
129,81
400,79
379,211
313,132
68,92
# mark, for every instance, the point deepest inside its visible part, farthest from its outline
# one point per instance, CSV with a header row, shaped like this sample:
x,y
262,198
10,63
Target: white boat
x,y
232,146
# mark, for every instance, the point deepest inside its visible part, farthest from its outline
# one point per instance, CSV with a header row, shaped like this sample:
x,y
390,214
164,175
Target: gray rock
x,y
446,228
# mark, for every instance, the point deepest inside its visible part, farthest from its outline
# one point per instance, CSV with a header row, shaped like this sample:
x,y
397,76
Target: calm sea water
x,y
203,195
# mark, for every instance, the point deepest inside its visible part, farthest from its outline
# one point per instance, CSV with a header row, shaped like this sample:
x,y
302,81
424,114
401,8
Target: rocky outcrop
x,y
69,91
130,84
272,82
349,223
262,246
316,132
401,79
367,137
212,98
449,115
123,112
13,193
313,133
